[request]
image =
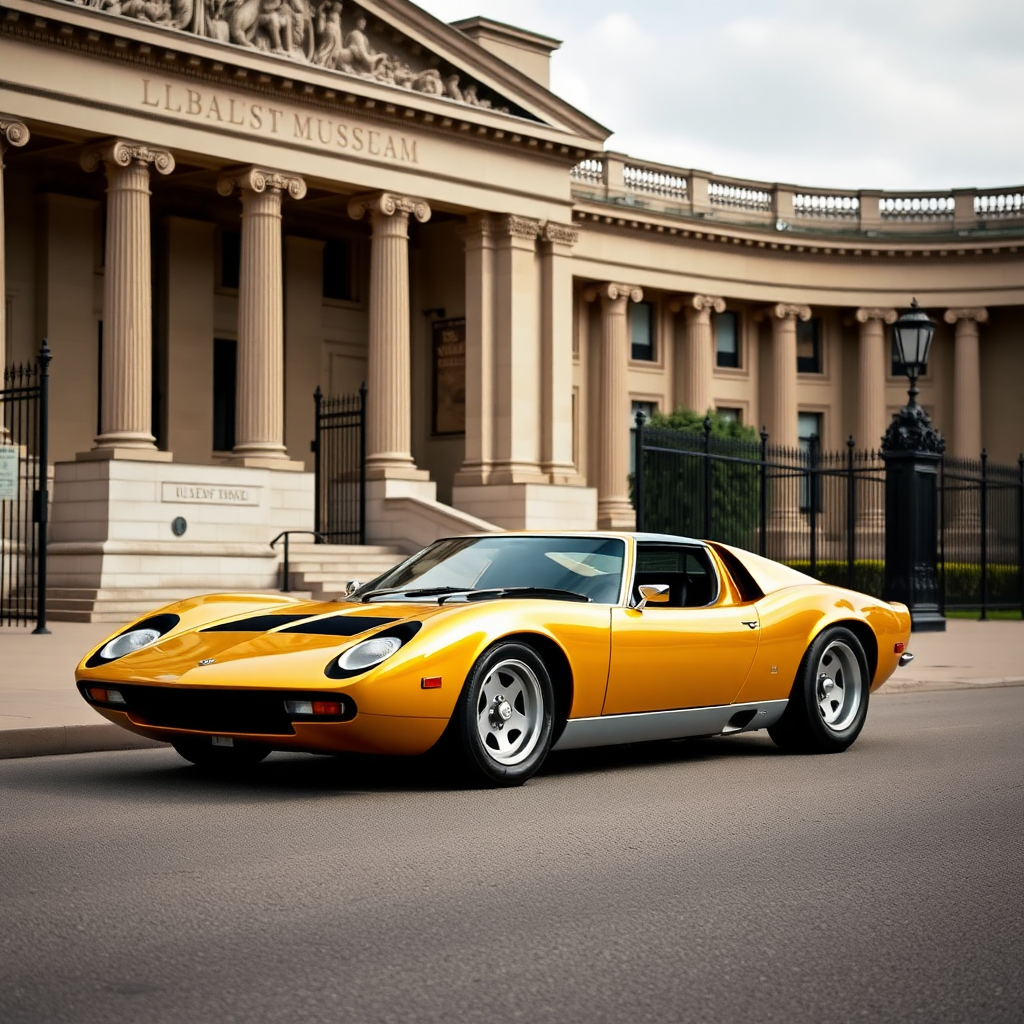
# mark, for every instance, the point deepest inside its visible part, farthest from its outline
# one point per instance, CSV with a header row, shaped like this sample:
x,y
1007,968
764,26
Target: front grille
x,y
222,711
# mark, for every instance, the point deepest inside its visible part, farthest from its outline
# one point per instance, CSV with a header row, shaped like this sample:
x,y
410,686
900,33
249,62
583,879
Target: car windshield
x,y
589,567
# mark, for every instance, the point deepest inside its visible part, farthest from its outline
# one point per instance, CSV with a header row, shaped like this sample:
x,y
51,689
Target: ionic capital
x,y
514,226
866,313
787,311
258,180
388,205
559,234
115,153
613,293
699,307
12,133
979,314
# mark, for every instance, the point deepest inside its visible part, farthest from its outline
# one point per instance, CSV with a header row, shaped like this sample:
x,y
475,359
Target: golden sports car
x,y
503,647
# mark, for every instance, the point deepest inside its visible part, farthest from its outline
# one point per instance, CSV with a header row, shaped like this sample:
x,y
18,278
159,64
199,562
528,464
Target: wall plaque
x,y
211,494
449,376
9,473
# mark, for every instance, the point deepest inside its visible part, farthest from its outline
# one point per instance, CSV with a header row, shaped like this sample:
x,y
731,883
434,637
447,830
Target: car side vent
x,y
338,625
740,720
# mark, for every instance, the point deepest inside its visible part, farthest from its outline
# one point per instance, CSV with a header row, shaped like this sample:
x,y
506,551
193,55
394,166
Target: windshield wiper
x,y
500,592
425,592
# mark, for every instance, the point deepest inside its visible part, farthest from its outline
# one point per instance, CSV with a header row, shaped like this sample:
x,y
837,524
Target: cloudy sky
x,y
847,93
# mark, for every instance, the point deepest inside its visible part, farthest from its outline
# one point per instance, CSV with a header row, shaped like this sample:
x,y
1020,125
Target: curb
x,y
70,739
940,685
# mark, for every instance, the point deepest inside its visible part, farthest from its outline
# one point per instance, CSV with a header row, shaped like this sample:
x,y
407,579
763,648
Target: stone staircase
x,y
323,570
319,571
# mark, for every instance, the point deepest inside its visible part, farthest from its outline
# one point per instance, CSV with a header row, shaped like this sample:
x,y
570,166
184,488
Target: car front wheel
x,y
504,717
829,700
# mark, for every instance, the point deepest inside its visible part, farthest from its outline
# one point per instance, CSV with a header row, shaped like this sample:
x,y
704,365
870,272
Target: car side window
x,y
687,571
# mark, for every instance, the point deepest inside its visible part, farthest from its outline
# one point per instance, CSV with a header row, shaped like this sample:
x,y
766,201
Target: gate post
x,y
912,450
42,495
318,398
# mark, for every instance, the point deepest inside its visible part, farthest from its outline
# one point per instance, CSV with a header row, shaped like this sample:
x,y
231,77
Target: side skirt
x,y
608,730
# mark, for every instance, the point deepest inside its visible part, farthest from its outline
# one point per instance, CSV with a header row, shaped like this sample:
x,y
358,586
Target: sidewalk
x,y
41,711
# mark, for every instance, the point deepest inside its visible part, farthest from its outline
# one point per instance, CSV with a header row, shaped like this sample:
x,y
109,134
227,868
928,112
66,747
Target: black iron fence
x,y
981,538
340,479
821,512
24,492
824,512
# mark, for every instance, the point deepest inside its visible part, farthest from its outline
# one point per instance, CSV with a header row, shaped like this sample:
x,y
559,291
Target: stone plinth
x,y
530,506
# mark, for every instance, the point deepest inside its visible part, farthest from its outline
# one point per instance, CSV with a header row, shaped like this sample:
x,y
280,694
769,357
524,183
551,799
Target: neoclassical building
x,y
212,208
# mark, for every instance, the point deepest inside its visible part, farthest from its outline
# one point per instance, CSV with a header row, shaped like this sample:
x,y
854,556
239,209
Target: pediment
x,y
386,42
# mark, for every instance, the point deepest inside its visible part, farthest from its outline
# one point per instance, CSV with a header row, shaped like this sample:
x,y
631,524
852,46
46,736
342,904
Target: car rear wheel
x,y
504,718
829,700
202,752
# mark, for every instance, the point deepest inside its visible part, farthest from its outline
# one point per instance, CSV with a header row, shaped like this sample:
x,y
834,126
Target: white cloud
x,y
847,93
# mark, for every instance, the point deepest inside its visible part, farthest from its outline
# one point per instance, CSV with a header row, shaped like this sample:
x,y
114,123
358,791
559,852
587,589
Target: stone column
x,y
126,400
259,413
782,424
700,351
389,420
614,509
12,133
967,441
478,235
874,357
556,245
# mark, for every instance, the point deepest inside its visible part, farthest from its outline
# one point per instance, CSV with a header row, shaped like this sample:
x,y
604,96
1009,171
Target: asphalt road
x,y
701,881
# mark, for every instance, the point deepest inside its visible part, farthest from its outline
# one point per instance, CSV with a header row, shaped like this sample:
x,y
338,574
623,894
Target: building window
x,y
225,371
729,415
338,282
727,339
808,345
230,258
808,426
648,409
641,328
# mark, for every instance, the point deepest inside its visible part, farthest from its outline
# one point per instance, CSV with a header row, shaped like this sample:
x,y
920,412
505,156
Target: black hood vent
x,y
334,625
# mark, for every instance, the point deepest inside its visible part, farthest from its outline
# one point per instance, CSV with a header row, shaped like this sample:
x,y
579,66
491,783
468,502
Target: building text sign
x,y
278,122
8,473
211,494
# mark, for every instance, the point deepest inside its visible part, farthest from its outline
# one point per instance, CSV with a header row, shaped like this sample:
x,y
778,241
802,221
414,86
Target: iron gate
x,y
24,492
820,512
340,478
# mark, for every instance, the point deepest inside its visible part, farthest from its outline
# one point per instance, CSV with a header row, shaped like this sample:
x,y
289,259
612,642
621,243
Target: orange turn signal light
x,y
105,696
899,648
431,683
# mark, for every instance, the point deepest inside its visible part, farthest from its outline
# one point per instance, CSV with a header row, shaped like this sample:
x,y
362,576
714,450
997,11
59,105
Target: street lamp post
x,y
912,450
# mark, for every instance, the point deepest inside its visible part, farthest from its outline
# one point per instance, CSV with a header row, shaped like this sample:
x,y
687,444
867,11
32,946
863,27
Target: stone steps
x,y
325,569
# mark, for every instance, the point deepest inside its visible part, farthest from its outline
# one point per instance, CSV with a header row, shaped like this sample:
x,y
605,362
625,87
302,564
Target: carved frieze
x,y
327,34
520,227
560,234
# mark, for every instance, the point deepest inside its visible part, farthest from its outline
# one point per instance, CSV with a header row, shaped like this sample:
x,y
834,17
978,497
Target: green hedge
x,y
868,574
963,580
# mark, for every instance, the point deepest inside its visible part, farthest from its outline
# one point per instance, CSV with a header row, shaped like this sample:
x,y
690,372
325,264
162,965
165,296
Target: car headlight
x,y
368,653
126,643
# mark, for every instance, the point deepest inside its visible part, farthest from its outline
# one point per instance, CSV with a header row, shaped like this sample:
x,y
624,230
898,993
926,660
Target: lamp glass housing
x,y
913,332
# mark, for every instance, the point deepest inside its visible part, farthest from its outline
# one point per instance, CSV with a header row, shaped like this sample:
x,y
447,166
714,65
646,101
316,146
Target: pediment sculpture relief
x,y
325,33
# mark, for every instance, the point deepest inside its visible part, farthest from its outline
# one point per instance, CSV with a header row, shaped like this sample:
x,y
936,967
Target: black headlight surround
x,y
162,623
404,631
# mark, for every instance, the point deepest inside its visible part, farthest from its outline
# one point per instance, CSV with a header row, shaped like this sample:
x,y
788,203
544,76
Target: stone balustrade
x,y
621,180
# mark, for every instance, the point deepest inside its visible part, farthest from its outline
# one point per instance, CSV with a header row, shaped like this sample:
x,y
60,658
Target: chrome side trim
x,y
608,730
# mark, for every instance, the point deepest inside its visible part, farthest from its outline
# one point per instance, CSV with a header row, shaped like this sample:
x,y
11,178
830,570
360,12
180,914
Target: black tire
x,y
829,700
504,719
203,753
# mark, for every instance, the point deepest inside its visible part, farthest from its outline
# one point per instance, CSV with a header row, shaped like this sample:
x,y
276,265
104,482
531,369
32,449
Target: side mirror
x,y
655,593
351,587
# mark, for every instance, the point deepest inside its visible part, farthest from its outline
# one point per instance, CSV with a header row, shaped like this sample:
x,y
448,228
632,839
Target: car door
x,y
693,651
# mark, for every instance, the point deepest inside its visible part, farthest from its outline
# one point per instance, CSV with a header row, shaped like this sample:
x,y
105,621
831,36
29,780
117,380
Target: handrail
x,y
285,587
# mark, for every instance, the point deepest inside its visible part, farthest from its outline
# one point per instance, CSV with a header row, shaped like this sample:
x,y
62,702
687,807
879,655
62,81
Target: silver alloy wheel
x,y
510,712
839,685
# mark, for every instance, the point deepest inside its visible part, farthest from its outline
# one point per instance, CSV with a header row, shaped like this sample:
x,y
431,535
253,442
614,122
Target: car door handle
x,y
752,623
